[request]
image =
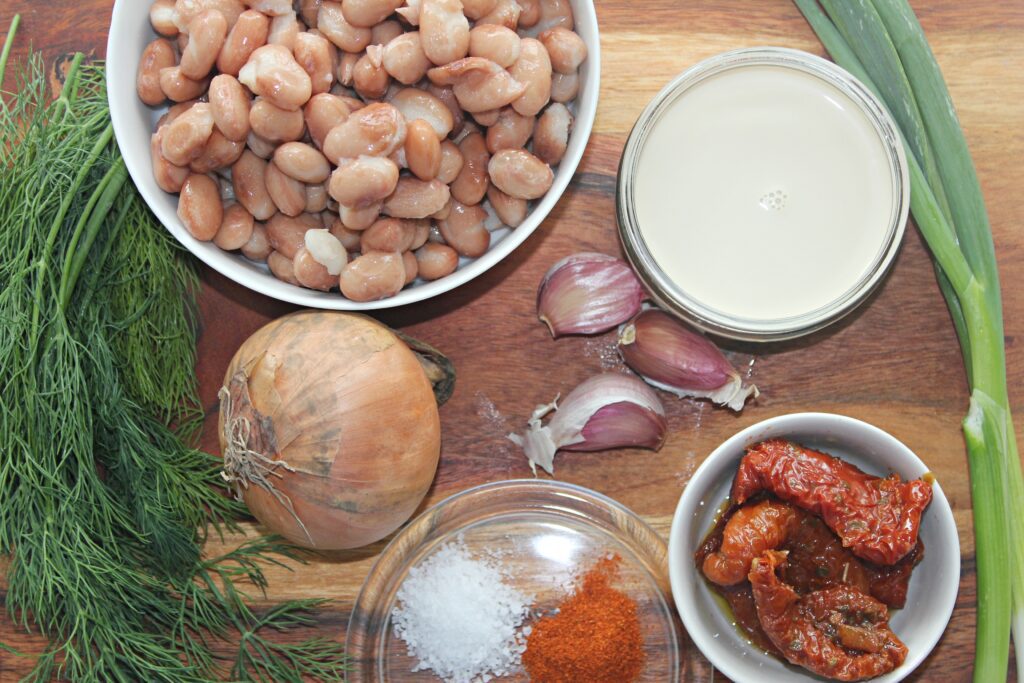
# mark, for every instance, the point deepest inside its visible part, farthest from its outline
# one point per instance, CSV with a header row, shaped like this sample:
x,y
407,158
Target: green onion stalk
x,y
882,43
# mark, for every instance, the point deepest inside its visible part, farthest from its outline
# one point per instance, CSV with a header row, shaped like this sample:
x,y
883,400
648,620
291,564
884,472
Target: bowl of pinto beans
x,y
352,155
811,547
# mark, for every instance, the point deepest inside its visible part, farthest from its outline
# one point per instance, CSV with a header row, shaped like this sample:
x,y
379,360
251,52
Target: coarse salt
x,y
460,618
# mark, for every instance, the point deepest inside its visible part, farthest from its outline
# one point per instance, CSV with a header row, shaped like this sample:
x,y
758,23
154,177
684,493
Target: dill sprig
x,y
105,503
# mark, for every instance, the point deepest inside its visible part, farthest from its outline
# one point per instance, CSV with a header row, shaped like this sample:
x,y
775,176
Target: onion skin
x,y
346,404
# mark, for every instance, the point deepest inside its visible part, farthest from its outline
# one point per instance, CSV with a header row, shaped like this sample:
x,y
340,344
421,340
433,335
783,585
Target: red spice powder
x,y
594,637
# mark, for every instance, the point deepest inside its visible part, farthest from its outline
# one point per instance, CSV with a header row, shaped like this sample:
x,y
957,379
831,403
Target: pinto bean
x,y
272,123
284,29
373,276
412,267
487,118
346,71
422,150
376,130
446,95
348,238
359,219
417,104
386,31
283,268
186,135
506,13
248,176
273,73
530,13
360,183
369,13
200,208
470,186
248,34
158,55
311,273
369,77
230,104
444,211
316,197
451,162
436,261
217,153
206,35
258,246
512,131
302,162
554,13
287,234
511,211
414,198
475,9
464,230
421,231
552,135
308,10
288,194
327,250
274,8
565,87
520,174
444,30
566,49
187,10
533,69
315,54
405,59
161,17
261,147
168,177
322,113
388,234
178,87
336,28
236,228
496,43
480,84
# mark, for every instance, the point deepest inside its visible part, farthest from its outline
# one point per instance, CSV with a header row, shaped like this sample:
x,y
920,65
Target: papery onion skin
x,y
345,404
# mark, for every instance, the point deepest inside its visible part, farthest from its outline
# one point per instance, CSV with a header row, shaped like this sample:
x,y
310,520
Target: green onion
x,y
881,43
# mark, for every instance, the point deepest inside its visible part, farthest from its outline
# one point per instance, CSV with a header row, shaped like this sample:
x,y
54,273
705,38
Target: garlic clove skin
x,y
604,412
588,293
671,357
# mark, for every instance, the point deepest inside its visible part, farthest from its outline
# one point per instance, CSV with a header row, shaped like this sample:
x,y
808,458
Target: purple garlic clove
x,y
672,357
588,293
604,412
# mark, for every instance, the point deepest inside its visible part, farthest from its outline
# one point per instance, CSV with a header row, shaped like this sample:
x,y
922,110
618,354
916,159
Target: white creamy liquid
x,y
764,193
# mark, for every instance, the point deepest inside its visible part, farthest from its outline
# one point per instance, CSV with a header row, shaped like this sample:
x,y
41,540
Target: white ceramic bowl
x,y
933,586
130,32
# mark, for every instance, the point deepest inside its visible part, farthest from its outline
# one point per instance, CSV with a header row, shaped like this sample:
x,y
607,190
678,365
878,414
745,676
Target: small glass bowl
x,y
547,533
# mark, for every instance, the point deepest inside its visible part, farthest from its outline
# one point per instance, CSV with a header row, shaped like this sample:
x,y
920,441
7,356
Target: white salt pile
x,y
459,618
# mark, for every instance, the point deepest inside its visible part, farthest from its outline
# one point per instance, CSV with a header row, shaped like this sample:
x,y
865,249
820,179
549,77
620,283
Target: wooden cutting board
x,y
894,363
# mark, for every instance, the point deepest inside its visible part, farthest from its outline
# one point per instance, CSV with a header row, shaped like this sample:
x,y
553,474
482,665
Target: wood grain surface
x,y
894,363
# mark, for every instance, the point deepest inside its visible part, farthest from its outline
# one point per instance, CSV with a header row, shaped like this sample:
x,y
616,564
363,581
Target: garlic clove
x,y
673,358
588,293
604,412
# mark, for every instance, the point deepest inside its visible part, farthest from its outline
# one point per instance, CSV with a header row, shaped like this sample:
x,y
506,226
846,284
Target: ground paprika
x,y
594,636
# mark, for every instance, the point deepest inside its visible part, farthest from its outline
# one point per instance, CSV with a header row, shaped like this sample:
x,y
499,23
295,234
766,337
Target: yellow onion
x,y
329,429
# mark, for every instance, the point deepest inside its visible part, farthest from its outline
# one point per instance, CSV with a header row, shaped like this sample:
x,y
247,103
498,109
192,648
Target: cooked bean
x,y
388,234
417,104
187,10
376,130
327,250
230,104
511,211
227,190
178,87
519,174
386,31
446,96
248,176
359,219
422,150
182,41
410,12
236,228
530,13
436,261
405,59
346,71
199,207
565,87
349,238
158,55
506,13
464,230
475,9
532,69
470,186
206,35
554,13
414,198
302,162
412,267
420,233
185,136
217,153
480,84
435,235
444,211
444,30
316,197
248,34
322,113
373,276
315,54
512,131
332,23
552,134
168,177
368,13
161,16
272,123
288,194
282,267
308,10
487,118
174,111
258,246
496,43
566,49
273,8
360,183
261,147
287,234
273,73
451,162
284,29
311,273
369,77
